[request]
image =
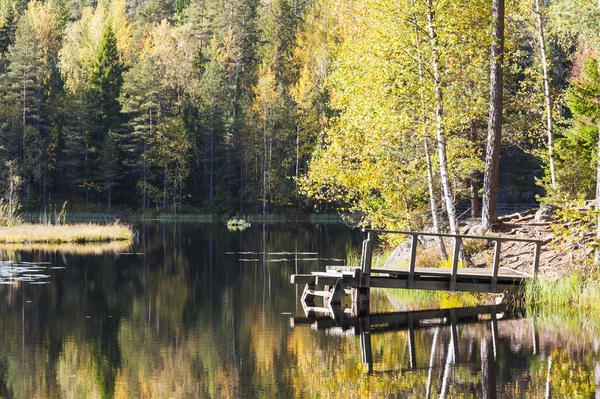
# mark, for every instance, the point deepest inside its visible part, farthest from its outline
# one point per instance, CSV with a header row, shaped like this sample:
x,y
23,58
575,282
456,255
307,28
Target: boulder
x,y
477,230
545,213
400,256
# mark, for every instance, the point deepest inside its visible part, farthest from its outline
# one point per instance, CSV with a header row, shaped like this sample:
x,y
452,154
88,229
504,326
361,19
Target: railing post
x,y
413,259
496,265
455,256
364,281
536,258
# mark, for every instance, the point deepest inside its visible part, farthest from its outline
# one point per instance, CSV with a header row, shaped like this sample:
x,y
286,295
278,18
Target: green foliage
x,y
573,230
278,104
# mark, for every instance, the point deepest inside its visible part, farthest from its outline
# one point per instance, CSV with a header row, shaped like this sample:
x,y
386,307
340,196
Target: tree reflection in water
x,y
189,313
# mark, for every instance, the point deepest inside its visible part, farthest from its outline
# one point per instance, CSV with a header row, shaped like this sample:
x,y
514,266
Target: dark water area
x,y
197,311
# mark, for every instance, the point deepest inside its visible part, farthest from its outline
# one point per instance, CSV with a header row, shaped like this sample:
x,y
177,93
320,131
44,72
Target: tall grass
x,y
65,233
353,258
574,291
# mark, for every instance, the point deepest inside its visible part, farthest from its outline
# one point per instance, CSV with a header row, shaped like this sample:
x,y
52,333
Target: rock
x,y
477,230
400,256
545,213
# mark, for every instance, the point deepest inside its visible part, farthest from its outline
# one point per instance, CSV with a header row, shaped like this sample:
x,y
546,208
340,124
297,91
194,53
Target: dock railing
x,y
367,254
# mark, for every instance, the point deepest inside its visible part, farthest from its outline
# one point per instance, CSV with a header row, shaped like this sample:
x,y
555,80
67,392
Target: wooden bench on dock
x,y
357,281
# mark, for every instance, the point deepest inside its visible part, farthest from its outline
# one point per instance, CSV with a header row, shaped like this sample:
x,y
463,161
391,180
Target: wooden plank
x,y
303,279
367,259
465,236
331,280
324,294
435,271
413,260
308,300
441,285
351,270
496,265
455,257
336,293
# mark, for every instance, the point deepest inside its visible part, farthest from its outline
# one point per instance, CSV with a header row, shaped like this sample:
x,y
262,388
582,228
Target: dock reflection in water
x,y
457,340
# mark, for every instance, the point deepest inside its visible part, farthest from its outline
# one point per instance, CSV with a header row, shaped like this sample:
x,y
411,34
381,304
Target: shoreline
x,y
291,217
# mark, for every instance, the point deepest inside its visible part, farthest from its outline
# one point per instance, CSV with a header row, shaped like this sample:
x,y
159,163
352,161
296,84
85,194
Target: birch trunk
x,y
547,99
597,253
265,164
434,213
439,118
492,154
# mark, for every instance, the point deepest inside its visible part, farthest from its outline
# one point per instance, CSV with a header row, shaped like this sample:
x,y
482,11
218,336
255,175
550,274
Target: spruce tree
x,y
141,99
106,82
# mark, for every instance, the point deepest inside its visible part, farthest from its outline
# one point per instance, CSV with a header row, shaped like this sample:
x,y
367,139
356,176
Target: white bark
x,y
439,118
547,98
430,182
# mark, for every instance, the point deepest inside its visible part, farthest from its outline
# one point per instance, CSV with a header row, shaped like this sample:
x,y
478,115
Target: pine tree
x,y
213,105
142,99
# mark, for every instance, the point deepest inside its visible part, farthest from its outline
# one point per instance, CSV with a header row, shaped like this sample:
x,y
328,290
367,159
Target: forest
x,y
377,108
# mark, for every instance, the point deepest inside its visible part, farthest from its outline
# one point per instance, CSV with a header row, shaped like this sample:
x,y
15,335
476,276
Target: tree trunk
x,y
488,370
474,182
597,253
439,117
547,98
265,164
434,214
474,196
211,190
430,182
492,154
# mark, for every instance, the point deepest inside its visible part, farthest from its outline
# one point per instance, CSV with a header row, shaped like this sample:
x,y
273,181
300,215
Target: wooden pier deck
x,y
357,281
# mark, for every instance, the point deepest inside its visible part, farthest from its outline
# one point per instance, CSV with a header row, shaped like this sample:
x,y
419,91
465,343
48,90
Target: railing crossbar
x,y
448,235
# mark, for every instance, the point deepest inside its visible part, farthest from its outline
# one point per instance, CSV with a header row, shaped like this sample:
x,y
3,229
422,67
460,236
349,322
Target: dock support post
x,y
455,256
413,259
365,344
496,265
411,342
364,282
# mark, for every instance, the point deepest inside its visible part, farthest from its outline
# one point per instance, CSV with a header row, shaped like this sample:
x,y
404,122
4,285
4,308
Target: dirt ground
x,y
519,256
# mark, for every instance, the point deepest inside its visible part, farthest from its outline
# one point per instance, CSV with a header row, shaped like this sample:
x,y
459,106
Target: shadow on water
x,y
196,311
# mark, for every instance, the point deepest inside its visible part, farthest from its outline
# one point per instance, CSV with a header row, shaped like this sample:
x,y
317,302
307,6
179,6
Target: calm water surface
x,y
196,311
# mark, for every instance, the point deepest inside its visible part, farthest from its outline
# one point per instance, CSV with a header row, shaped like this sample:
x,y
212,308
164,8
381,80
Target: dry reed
x,y
65,233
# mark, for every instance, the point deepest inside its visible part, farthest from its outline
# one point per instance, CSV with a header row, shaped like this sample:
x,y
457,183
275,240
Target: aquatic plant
x,y
238,224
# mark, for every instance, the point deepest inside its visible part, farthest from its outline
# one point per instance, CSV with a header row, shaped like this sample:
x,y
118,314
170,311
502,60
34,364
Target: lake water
x,y
196,311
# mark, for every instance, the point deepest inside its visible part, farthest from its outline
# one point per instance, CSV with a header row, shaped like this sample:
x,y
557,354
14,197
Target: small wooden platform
x,y
468,280
356,281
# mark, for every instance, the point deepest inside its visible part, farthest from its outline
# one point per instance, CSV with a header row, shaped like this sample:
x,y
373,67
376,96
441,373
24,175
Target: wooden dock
x,y
337,281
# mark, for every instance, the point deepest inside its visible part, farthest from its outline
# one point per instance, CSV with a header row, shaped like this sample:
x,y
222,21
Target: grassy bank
x,y
575,291
65,233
